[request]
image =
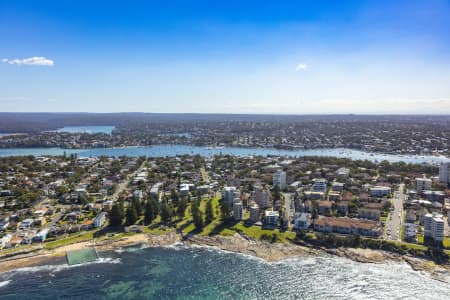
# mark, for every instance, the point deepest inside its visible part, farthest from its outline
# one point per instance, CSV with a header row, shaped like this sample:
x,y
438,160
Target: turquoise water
x,y
204,273
87,129
173,150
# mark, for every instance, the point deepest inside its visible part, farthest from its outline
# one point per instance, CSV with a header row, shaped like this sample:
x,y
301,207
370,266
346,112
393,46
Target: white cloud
x,y
31,61
301,67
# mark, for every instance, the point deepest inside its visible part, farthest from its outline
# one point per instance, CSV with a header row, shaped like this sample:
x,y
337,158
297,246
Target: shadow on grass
x,y
223,225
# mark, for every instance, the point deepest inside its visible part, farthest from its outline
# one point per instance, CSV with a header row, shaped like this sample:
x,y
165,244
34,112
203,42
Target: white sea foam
x,y
4,283
60,267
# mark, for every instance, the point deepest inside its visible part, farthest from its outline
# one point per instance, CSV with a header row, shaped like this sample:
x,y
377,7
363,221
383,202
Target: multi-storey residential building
x,y
254,213
434,226
348,226
237,210
302,221
261,196
229,194
423,184
380,191
272,217
319,185
279,179
444,172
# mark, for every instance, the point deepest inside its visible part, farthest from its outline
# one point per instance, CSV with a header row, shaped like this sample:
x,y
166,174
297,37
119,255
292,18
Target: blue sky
x,y
225,56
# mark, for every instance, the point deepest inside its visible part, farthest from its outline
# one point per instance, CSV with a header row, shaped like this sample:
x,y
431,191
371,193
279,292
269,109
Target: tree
x,y
276,193
150,211
131,216
181,208
174,195
209,214
116,215
197,214
315,210
166,212
225,210
136,204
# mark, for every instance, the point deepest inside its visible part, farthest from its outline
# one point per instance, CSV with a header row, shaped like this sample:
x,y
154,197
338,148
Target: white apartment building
x,y
444,172
238,210
380,191
279,179
272,217
261,196
229,194
254,213
434,226
423,184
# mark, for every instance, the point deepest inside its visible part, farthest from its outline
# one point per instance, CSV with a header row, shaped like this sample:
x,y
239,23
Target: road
x,y
288,212
205,176
394,223
123,185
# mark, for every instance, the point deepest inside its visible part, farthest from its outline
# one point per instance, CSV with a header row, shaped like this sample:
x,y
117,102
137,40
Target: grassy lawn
x,y
88,235
420,238
259,233
17,249
446,242
402,232
187,226
410,245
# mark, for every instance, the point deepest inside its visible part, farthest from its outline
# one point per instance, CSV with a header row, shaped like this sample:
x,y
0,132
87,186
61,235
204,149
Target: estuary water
x,y
205,273
86,129
173,150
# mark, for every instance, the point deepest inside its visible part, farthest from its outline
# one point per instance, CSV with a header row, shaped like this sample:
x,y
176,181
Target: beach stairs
x,y
81,256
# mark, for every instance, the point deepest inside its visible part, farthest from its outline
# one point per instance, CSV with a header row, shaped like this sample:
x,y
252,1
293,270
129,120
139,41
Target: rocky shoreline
x,y
236,243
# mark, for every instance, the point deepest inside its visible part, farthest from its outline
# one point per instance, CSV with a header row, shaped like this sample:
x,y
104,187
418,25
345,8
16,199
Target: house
x,y
155,188
337,186
4,223
309,195
40,221
87,225
107,205
137,194
5,240
41,236
302,221
294,186
15,241
27,223
5,193
343,172
99,220
410,232
334,196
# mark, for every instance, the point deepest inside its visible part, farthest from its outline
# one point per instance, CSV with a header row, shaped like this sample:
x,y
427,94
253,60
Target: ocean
x,y
179,272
